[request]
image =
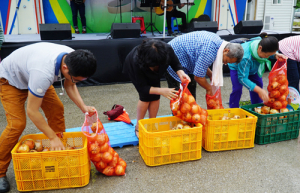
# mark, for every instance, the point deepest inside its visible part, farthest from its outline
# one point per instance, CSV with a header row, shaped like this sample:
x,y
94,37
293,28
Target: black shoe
x,y
4,185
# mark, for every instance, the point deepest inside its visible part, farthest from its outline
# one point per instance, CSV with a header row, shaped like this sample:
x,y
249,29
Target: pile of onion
x,y
278,92
104,157
188,110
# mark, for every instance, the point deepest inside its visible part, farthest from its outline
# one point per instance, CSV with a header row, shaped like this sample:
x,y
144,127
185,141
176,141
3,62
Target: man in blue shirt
x,y
197,51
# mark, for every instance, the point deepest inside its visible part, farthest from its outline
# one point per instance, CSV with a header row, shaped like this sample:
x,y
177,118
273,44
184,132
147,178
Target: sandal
x,y
136,132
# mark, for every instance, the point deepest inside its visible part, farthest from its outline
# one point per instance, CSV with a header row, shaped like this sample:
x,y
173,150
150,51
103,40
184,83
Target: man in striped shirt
x,y
290,47
196,52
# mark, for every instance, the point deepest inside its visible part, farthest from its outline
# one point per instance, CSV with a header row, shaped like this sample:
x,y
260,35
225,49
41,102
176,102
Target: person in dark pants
x,y
290,47
145,65
177,14
78,5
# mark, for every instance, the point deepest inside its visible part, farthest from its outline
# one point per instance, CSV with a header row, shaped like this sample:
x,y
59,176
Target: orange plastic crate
x,y
158,145
52,169
221,135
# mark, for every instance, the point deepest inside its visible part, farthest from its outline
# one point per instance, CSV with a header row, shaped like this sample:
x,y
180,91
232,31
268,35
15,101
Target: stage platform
x,y
111,53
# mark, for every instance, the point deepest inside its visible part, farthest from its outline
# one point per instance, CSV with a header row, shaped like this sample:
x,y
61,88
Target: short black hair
x,y
268,43
152,53
81,63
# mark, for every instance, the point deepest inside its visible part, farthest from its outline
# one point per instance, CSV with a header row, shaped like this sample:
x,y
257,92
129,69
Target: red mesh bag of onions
x,y
215,101
186,108
278,85
104,157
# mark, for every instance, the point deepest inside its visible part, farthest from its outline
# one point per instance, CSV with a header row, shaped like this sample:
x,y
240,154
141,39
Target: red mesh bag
x,y
104,157
215,101
186,108
278,85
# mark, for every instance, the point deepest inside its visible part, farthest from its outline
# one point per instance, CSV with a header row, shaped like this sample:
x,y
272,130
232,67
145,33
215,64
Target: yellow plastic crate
x,y
52,169
158,145
220,135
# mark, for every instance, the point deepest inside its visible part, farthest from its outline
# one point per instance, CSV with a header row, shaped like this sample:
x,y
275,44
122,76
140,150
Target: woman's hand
x,y
169,93
277,56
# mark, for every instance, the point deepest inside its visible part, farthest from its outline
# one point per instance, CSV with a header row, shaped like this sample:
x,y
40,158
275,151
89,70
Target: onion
x,y
282,79
119,170
101,165
100,139
203,119
271,100
225,118
33,151
195,109
107,157
258,110
185,108
24,148
179,126
186,127
274,85
175,106
274,79
94,148
283,89
106,138
284,110
94,127
196,118
109,171
38,146
92,137
265,109
236,117
284,104
191,99
178,113
204,112
114,162
274,111
116,155
185,97
122,163
269,88
97,157
111,151
46,149
104,148
187,117
211,103
282,98
30,143
275,94
277,105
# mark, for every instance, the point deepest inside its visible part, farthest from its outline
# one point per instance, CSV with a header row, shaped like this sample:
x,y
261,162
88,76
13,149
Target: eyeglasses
x,y
73,80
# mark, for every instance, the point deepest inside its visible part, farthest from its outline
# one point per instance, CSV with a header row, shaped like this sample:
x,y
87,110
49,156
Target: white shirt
x,y
33,67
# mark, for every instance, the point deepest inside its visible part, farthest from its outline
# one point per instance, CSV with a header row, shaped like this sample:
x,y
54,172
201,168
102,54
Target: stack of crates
x,y
221,135
275,127
159,145
52,169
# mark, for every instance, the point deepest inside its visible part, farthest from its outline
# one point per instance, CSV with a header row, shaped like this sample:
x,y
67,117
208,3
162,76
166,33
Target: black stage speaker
x,y
211,26
125,30
248,27
55,31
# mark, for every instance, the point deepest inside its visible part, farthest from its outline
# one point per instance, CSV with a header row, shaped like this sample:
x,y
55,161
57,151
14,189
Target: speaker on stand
x,y
125,30
211,26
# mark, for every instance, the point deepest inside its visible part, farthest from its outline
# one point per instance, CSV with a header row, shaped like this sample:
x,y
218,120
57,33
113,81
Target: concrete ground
x,y
264,168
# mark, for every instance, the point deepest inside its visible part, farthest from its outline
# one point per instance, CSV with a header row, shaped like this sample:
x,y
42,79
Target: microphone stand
x,y
120,12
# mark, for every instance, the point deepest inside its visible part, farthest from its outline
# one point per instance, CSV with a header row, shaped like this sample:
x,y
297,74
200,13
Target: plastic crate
x,y
158,145
275,127
52,169
220,135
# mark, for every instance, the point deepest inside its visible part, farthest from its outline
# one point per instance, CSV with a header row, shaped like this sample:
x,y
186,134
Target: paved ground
x,y
264,168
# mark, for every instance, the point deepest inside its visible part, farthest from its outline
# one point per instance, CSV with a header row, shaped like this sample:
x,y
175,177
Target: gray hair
x,y
235,51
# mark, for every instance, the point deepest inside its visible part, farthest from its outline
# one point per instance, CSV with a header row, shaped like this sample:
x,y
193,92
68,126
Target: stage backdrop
x,y
100,14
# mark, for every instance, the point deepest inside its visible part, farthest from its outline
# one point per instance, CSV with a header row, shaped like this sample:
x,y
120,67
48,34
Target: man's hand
x,y
182,75
91,110
209,92
169,93
56,144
